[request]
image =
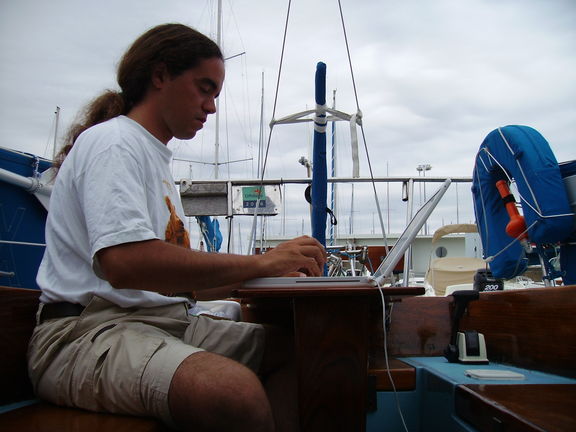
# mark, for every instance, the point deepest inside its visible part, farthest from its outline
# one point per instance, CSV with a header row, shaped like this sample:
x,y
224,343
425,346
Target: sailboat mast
x,y
217,135
333,234
351,228
55,149
261,134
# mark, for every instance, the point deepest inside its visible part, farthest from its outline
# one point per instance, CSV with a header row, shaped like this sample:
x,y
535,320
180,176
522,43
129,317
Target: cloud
x,y
433,79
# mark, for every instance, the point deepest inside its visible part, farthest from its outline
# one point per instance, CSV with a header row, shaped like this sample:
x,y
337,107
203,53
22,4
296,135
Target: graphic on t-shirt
x,y
175,231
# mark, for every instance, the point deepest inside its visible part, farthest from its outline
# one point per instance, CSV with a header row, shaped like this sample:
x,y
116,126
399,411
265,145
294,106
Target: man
x,y
113,335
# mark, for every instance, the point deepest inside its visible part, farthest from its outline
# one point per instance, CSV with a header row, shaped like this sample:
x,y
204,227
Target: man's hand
x,y
301,255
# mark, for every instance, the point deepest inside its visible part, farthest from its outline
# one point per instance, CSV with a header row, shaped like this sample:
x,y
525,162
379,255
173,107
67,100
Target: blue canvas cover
x,y
319,167
568,247
210,228
520,153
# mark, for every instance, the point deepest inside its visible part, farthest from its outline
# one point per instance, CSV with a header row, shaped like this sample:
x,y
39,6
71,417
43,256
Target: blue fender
x,y
522,154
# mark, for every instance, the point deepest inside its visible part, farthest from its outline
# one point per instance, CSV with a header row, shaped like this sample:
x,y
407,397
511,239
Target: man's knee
x,y
210,392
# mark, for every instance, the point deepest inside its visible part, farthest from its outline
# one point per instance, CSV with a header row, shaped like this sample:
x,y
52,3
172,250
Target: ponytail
x,y
108,105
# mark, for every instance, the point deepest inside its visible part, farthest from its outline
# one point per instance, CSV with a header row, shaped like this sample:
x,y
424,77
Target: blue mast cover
x,y
319,168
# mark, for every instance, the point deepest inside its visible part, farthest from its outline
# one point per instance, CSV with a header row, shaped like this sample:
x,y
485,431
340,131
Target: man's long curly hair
x,y
176,46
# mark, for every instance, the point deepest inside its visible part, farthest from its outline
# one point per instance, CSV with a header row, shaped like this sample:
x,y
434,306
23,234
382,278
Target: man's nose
x,y
210,105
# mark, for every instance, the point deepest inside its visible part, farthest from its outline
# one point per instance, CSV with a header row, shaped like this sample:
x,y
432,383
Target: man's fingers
x,y
312,268
313,252
304,254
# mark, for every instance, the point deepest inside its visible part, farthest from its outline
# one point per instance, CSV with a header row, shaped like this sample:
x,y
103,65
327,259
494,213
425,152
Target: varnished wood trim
x,y
531,328
403,375
44,417
518,408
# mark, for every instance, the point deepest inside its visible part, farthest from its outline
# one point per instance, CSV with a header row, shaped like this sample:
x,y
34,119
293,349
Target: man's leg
x,y
209,392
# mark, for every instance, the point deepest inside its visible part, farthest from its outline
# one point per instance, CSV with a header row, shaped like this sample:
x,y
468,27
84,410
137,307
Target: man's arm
x,y
155,265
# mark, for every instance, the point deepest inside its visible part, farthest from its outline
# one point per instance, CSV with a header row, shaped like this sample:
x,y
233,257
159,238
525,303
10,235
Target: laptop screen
x,y
387,266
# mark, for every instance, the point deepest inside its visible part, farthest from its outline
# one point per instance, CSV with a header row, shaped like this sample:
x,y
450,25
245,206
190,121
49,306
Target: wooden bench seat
x,y
17,320
45,417
518,407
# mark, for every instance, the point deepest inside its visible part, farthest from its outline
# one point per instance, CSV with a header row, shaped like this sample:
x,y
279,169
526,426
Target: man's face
x,y
188,99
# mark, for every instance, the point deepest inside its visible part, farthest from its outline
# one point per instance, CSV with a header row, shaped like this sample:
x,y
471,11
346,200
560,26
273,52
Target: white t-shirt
x,y
114,187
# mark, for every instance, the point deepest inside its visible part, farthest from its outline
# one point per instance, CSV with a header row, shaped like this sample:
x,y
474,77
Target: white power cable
x,y
398,407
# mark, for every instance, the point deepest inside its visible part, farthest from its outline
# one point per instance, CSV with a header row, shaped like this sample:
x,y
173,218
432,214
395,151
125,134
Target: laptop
x,y
383,271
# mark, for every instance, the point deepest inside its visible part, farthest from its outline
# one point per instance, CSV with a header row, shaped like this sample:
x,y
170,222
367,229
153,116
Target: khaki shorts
x,y
117,360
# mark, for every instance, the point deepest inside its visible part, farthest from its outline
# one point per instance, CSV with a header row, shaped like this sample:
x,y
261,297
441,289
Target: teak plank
x,y
532,328
418,326
331,350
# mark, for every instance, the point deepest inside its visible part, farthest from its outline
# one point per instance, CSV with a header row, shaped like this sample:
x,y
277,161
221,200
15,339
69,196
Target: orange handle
x,y
517,226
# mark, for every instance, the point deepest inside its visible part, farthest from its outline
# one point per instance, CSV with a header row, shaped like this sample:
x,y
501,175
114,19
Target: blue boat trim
x,y
22,219
17,405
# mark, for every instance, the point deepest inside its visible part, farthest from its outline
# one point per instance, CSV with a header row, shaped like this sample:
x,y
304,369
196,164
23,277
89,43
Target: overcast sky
x,y
433,79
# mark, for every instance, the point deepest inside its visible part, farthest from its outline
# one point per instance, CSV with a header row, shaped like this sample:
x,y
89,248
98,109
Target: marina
x,y
448,300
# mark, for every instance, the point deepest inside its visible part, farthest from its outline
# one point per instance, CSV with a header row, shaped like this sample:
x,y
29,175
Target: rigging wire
x,y
252,244
227,134
376,199
398,407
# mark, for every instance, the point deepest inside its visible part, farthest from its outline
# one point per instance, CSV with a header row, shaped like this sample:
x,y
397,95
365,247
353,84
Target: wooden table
x,y
331,344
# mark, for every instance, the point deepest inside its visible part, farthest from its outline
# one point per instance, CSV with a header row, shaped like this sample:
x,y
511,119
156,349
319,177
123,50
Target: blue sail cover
x,y
211,232
521,153
319,168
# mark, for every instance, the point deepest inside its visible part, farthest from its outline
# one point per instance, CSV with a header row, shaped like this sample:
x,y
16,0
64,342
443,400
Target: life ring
x,y
518,153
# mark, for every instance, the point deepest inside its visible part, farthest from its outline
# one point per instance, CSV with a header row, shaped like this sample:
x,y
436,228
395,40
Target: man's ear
x,y
159,75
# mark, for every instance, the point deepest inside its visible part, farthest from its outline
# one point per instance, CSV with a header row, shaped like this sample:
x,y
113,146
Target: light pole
x,y
306,164
422,168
